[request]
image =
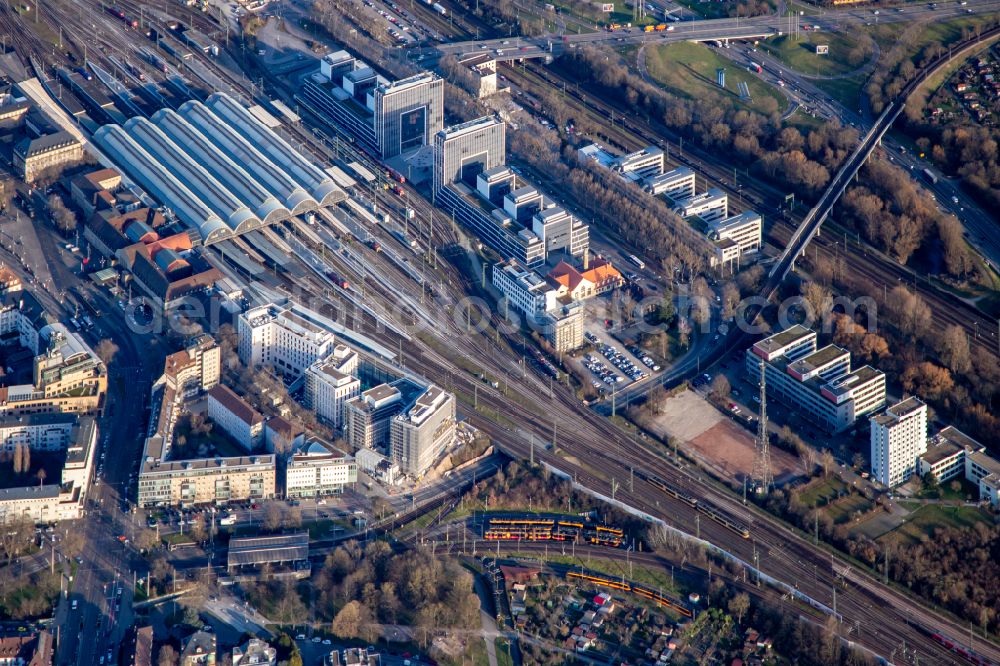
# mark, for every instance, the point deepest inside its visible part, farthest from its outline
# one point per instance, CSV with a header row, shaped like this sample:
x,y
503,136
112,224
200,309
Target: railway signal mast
x,y
762,475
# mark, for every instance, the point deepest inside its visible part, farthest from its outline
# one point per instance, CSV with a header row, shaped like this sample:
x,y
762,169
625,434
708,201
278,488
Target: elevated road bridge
x,y
722,29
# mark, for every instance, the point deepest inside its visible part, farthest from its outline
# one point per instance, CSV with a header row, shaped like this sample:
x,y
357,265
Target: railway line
x,y
877,269
610,453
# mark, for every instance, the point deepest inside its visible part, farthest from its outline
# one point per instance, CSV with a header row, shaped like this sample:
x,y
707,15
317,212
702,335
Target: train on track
x,y
966,654
119,13
553,529
639,590
707,509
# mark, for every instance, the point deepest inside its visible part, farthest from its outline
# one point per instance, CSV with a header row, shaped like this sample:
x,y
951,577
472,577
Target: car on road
x,y
73,605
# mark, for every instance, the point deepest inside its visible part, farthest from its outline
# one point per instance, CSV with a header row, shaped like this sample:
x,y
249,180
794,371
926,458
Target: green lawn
x,y
841,510
822,491
800,55
476,652
944,491
614,566
688,69
930,517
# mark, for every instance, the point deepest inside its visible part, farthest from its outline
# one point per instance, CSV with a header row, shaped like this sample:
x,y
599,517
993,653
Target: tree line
x,y
899,218
782,155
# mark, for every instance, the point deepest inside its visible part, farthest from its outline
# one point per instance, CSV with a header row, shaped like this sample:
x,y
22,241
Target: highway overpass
x,y
756,27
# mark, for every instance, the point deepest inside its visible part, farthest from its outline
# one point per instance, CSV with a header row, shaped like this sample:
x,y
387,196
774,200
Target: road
x,y
715,29
100,618
603,453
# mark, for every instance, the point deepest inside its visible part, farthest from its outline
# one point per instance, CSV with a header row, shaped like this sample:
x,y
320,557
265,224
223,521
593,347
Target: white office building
x,y
640,165
421,432
283,337
525,290
898,438
818,383
330,382
709,206
675,184
316,469
735,236
559,230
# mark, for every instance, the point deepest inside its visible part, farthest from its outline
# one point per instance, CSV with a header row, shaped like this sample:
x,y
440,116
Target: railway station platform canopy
x,y
216,166
255,551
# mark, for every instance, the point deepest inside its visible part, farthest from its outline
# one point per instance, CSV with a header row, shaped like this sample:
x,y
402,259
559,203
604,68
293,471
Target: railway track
x,y
859,259
610,453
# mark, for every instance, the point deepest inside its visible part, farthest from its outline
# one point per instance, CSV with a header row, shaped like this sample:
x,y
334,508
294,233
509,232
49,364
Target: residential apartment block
x,y
898,438
195,369
235,416
819,383
164,481
205,480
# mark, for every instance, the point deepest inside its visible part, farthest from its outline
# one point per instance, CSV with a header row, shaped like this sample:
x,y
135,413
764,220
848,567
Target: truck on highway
x,y
930,176
754,67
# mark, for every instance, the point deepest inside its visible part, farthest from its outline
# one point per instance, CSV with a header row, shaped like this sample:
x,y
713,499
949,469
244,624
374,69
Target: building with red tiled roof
x,y
571,282
602,275
235,415
167,269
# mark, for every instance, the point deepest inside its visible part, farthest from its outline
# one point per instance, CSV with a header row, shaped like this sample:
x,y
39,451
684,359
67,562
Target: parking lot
x,y
613,367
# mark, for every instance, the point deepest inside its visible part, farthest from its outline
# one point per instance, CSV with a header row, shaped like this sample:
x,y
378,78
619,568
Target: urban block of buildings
x,y
819,383
389,118
733,236
510,216
157,261
409,423
546,303
901,448
218,168
163,481
54,413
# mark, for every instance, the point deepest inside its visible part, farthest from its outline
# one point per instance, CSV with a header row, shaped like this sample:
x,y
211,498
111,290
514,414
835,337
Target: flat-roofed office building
x,y
421,432
407,113
819,383
464,151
